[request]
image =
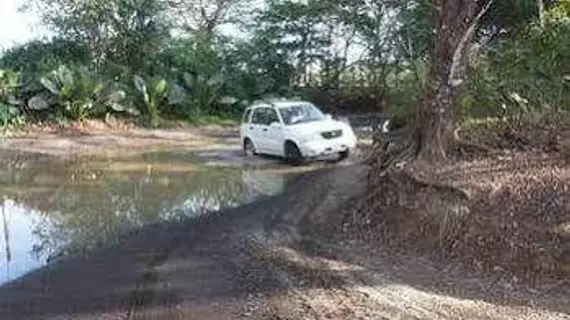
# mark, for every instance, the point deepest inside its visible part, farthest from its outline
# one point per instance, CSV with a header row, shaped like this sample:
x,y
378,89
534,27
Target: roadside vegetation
x,y
147,60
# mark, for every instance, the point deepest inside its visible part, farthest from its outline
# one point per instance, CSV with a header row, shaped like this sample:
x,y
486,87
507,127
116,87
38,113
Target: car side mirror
x,y
275,124
329,116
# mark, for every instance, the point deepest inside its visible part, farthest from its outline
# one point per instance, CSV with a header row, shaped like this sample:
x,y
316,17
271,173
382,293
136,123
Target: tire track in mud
x,y
156,272
144,297
221,240
145,291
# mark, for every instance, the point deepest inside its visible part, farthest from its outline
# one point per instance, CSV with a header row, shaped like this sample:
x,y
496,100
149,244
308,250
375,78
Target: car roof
x,y
277,104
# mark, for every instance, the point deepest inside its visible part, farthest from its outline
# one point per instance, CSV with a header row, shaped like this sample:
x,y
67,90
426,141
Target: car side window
x,y
258,116
272,116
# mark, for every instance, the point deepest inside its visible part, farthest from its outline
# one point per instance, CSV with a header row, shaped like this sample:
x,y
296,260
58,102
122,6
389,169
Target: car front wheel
x,y
293,154
343,155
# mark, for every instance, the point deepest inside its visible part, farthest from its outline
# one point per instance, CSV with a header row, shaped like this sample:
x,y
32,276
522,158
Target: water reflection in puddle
x,y
57,209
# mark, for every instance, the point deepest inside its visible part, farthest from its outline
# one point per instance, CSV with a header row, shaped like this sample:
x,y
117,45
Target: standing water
x,y
51,210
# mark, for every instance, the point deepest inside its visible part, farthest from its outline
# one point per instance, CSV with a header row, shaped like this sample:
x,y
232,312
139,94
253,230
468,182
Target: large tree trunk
x,y
435,121
402,165
431,133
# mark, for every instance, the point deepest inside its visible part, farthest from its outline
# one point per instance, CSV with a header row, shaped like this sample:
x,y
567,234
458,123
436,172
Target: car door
x,y
245,124
255,129
273,133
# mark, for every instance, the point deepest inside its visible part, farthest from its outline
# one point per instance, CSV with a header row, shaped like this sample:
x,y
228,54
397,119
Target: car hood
x,y
315,127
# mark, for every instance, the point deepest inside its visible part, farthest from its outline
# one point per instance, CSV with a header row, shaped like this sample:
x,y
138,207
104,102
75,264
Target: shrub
x,y
525,76
78,94
152,96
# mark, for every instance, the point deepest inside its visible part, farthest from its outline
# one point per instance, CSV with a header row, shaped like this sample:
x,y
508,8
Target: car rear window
x,y
246,115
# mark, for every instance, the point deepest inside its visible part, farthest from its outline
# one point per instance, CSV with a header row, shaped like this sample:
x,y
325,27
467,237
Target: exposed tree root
x,y
394,150
464,148
400,180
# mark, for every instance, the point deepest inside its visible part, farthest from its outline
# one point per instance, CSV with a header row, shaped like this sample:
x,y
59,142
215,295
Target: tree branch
x,y
458,54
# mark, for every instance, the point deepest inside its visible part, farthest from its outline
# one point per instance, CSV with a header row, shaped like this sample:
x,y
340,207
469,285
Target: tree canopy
x,y
348,54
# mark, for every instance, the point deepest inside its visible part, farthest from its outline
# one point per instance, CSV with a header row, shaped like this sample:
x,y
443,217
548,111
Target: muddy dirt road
x,y
64,144
255,261
190,270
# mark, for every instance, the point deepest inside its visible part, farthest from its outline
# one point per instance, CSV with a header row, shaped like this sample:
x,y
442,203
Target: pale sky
x,y
17,27
20,27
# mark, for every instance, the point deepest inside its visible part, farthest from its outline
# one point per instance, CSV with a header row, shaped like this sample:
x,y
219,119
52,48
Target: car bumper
x,y
322,148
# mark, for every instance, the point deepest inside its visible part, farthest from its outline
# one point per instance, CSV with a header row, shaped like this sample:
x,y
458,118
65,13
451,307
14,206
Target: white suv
x,y
295,130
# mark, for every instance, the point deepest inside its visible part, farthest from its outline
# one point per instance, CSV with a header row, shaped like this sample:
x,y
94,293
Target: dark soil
x,y
515,217
333,272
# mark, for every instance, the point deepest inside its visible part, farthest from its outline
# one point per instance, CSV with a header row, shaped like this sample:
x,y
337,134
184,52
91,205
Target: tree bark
x,y
540,5
435,121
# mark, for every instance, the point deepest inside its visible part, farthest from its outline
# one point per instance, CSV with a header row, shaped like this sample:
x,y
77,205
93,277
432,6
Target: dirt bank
x,y
334,273
502,214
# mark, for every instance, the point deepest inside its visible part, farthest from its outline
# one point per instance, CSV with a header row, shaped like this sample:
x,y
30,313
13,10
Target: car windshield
x,y
301,113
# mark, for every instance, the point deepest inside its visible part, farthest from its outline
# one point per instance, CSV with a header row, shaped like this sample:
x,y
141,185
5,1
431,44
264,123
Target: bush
x,y
525,76
36,58
78,94
9,105
152,96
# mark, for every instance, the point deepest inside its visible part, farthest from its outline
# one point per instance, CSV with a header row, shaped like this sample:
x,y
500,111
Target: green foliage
x,y
37,58
206,79
195,65
507,17
375,52
292,30
152,96
415,37
79,94
525,76
404,88
202,93
10,116
117,32
9,83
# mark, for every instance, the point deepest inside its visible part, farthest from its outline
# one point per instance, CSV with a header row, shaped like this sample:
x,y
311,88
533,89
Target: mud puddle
x,y
53,209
